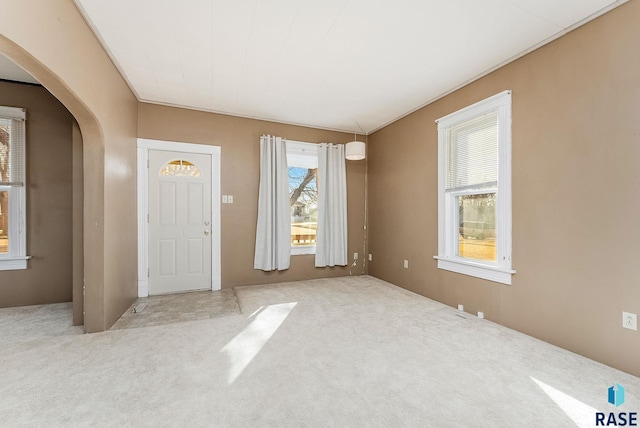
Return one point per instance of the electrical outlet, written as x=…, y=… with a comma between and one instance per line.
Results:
x=370, y=257
x=355, y=256
x=630, y=321
x=406, y=264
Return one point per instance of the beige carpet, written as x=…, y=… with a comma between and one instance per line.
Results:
x=175, y=308
x=347, y=352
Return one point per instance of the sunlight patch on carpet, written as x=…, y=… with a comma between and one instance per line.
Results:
x=580, y=413
x=243, y=348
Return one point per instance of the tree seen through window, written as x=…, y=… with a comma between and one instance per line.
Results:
x=303, y=200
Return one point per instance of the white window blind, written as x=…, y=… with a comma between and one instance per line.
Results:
x=472, y=153
x=13, y=227
x=474, y=190
x=303, y=155
x=12, y=151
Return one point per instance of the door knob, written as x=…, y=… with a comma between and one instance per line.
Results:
x=206, y=232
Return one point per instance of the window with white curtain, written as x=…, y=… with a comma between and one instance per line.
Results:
x=474, y=190
x=302, y=161
x=12, y=189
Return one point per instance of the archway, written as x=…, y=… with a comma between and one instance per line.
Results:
x=89, y=276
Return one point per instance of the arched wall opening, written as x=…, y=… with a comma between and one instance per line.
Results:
x=56, y=46
x=87, y=241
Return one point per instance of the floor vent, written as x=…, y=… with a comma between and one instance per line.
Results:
x=139, y=308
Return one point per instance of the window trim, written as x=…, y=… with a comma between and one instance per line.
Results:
x=301, y=150
x=501, y=270
x=16, y=258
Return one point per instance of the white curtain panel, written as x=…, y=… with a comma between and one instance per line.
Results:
x=331, y=238
x=273, y=234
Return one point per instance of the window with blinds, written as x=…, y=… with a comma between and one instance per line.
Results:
x=302, y=160
x=472, y=153
x=12, y=188
x=12, y=156
x=474, y=190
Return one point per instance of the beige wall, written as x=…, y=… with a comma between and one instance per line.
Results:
x=58, y=48
x=77, y=221
x=49, y=202
x=576, y=151
x=51, y=41
x=239, y=139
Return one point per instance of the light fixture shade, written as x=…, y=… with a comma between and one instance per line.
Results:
x=354, y=150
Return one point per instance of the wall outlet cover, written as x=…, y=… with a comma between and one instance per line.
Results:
x=630, y=321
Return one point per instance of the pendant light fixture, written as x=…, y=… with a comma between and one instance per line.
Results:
x=355, y=150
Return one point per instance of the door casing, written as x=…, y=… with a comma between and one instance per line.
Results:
x=144, y=145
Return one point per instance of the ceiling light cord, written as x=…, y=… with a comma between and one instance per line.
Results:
x=365, y=256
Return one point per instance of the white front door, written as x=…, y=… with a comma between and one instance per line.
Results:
x=179, y=222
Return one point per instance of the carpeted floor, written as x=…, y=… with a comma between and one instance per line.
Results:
x=32, y=322
x=175, y=308
x=345, y=352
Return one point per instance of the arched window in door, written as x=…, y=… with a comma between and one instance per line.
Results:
x=179, y=168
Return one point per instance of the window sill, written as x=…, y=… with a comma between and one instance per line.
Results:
x=478, y=270
x=299, y=251
x=13, y=263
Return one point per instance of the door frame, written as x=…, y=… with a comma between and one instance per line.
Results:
x=143, y=147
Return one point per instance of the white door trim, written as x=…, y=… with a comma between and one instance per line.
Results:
x=144, y=145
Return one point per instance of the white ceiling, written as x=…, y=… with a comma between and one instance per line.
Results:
x=10, y=71
x=334, y=64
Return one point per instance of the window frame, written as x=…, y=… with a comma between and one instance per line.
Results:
x=448, y=211
x=16, y=258
x=298, y=155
